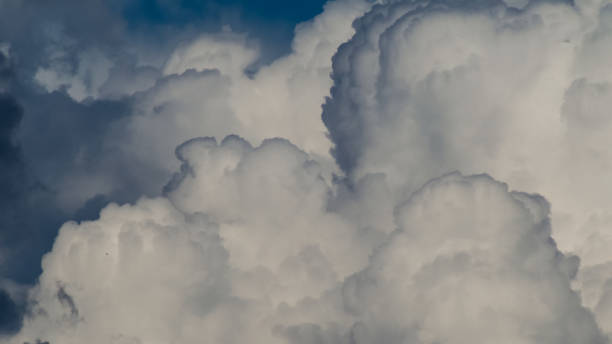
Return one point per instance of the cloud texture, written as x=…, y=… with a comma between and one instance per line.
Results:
x=265, y=266
x=518, y=94
x=260, y=235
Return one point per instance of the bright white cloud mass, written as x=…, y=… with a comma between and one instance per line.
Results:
x=427, y=172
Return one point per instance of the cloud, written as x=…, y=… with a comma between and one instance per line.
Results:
x=244, y=234
x=486, y=270
x=93, y=99
x=97, y=120
x=19, y=192
x=202, y=260
x=10, y=317
x=116, y=102
x=225, y=52
x=122, y=143
x=261, y=236
x=426, y=88
x=257, y=201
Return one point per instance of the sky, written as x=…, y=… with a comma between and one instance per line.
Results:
x=341, y=172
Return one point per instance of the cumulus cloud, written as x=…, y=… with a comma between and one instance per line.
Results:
x=146, y=102
x=101, y=107
x=261, y=235
x=225, y=52
x=243, y=248
x=240, y=255
x=278, y=101
x=261, y=219
x=427, y=88
x=485, y=270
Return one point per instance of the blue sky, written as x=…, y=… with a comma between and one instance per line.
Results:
x=184, y=11
x=272, y=22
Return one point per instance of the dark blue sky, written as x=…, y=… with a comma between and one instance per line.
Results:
x=178, y=12
x=271, y=22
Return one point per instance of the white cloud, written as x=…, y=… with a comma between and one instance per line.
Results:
x=244, y=232
x=257, y=240
x=135, y=264
x=203, y=90
x=244, y=249
x=469, y=262
x=424, y=89
x=227, y=52
x=262, y=219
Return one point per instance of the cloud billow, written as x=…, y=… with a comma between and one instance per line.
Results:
x=267, y=254
x=261, y=235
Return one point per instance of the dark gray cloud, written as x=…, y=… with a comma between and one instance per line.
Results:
x=10, y=314
x=28, y=219
x=11, y=170
x=26, y=206
x=67, y=301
